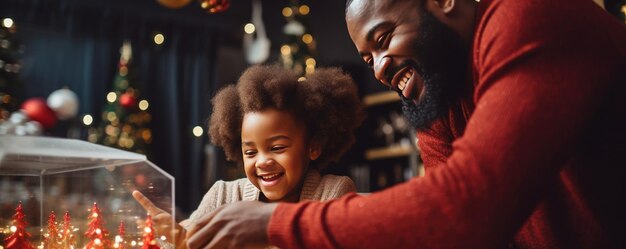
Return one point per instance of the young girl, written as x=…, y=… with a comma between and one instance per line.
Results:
x=283, y=131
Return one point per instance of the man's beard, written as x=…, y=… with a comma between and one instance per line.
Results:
x=442, y=60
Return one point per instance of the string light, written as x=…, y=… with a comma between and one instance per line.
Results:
x=249, y=28
x=198, y=131
x=307, y=38
x=87, y=119
x=159, y=39
x=7, y=22
x=111, y=97
x=143, y=105
x=285, y=50
x=304, y=10
x=287, y=11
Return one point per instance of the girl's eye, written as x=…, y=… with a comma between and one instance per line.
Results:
x=249, y=152
x=370, y=62
x=278, y=148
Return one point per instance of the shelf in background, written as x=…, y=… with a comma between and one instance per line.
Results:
x=389, y=152
x=380, y=98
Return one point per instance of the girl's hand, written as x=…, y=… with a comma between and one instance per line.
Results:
x=163, y=221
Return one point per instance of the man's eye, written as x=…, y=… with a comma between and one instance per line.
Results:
x=382, y=40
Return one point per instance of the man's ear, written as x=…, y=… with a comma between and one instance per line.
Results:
x=445, y=6
x=315, y=149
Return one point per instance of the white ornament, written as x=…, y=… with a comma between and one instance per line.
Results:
x=64, y=102
x=33, y=128
x=18, y=117
x=257, y=49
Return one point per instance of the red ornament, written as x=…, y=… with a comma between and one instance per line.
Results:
x=36, y=109
x=214, y=6
x=19, y=238
x=174, y=4
x=96, y=232
x=128, y=101
x=149, y=242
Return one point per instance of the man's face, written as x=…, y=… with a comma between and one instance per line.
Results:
x=411, y=52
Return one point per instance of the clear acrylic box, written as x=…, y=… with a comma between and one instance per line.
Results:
x=68, y=176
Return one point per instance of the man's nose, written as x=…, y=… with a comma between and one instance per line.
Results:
x=380, y=69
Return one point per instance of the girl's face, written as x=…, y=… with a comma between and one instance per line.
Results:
x=276, y=153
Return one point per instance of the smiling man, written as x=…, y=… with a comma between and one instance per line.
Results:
x=521, y=120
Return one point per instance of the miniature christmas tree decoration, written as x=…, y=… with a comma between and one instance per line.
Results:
x=20, y=238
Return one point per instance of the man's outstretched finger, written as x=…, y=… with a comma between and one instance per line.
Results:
x=146, y=203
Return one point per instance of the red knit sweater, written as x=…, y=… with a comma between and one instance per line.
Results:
x=534, y=159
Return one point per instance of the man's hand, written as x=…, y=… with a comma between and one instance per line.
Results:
x=162, y=221
x=237, y=225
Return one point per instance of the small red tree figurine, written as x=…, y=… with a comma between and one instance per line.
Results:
x=19, y=238
x=67, y=238
x=148, y=236
x=120, y=242
x=53, y=237
x=96, y=232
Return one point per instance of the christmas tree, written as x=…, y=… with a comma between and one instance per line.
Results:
x=125, y=120
x=120, y=242
x=149, y=242
x=67, y=238
x=298, y=51
x=53, y=237
x=10, y=50
x=96, y=232
x=20, y=238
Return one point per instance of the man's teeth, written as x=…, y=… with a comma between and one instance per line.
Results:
x=267, y=177
x=404, y=80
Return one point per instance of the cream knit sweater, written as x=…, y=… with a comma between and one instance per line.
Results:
x=315, y=187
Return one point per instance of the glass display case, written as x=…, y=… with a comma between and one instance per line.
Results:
x=75, y=194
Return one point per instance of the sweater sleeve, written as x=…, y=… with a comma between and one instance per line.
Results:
x=211, y=200
x=541, y=77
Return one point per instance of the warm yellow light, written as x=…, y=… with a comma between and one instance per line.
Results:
x=111, y=97
x=147, y=230
x=111, y=116
x=624, y=9
x=95, y=215
x=249, y=28
x=304, y=10
x=159, y=39
x=310, y=70
x=7, y=22
x=143, y=105
x=285, y=50
x=310, y=62
x=97, y=241
x=13, y=229
x=133, y=243
x=301, y=79
x=287, y=11
x=163, y=237
x=87, y=119
x=197, y=131
x=116, y=245
x=307, y=38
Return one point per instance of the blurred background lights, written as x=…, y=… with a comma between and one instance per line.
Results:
x=7, y=22
x=287, y=11
x=159, y=39
x=249, y=28
x=304, y=10
x=111, y=97
x=143, y=105
x=197, y=131
x=87, y=119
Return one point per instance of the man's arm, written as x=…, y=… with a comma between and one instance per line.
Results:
x=534, y=99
